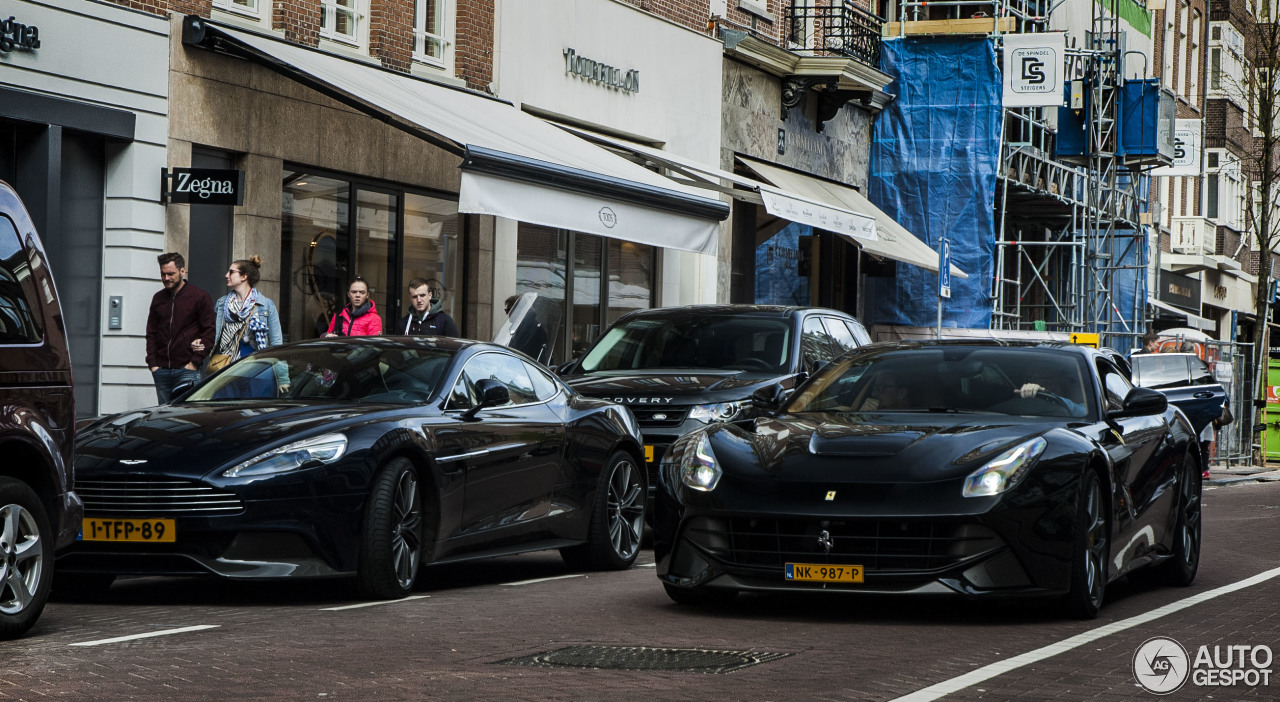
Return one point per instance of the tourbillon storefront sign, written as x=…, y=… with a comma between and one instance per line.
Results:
x=603, y=74
x=202, y=186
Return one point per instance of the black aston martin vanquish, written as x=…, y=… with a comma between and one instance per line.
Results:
x=380, y=454
x=965, y=469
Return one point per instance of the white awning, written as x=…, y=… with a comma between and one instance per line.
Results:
x=851, y=215
x=1193, y=320
x=514, y=165
x=892, y=239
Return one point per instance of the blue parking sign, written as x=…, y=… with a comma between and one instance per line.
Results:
x=944, y=270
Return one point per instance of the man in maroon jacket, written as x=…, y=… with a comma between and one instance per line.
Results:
x=179, y=328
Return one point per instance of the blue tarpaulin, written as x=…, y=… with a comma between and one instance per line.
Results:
x=934, y=158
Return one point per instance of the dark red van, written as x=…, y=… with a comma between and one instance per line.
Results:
x=38, y=510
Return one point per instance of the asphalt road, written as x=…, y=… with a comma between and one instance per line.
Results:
x=457, y=637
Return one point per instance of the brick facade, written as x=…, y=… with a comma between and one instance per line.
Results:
x=391, y=32
x=298, y=19
x=474, y=37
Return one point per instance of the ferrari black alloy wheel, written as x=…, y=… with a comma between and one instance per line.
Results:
x=391, y=542
x=26, y=558
x=1181, y=569
x=617, y=519
x=1089, y=554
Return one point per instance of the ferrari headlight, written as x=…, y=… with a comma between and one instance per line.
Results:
x=1005, y=470
x=719, y=411
x=697, y=468
x=322, y=449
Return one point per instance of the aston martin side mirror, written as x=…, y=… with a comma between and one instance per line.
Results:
x=492, y=394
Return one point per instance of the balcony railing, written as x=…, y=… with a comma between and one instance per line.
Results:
x=835, y=28
x=1193, y=235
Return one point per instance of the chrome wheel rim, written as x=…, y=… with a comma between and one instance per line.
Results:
x=406, y=542
x=1095, y=554
x=626, y=509
x=21, y=558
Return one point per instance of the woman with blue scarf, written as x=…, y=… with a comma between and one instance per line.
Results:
x=247, y=320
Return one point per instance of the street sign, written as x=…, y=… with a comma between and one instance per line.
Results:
x=1085, y=339
x=944, y=270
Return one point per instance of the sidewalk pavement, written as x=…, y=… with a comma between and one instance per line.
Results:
x=1220, y=474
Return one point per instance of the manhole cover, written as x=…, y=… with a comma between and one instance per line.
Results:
x=691, y=660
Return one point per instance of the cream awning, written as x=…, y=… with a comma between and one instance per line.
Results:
x=514, y=165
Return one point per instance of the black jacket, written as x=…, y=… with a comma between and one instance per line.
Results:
x=437, y=324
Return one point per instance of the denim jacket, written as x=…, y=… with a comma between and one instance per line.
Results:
x=263, y=310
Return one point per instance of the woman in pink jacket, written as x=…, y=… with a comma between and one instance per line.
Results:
x=360, y=317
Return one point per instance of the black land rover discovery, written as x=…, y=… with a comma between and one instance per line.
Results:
x=681, y=368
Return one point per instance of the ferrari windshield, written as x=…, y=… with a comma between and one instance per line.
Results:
x=331, y=371
x=1024, y=381
x=710, y=341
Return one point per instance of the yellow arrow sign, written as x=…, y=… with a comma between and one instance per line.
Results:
x=1085, y=339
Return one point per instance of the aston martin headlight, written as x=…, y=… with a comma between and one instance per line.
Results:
x=1005, y=470
x=319, y=449
x=719, y=411
x=697, y=468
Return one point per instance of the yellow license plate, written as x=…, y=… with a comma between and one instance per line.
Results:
x=144, y=530
x=648, y=453
x=817, y=572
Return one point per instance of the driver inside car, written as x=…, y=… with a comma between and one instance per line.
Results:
x=1052, y=384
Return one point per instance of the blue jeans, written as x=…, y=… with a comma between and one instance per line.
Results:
x=168, y=378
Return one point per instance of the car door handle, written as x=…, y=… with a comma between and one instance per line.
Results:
x=1203, y=395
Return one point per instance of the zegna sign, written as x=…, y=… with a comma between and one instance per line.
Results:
x=603, y=74
x=202, y=186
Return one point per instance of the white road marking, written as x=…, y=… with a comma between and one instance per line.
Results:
x=646, y=565
x=166, y=632
x=543, y=580
x=372, y=604
x=956, y=684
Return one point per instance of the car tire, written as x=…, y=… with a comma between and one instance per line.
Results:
x=391, y=538
x=1090, y=551
x=617, y=518
x=26, y=558
x=700, y=597
x=81, y=587
x=1179, y=570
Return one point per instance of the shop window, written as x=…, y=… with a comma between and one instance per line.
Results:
x=333, y=229
x=342, y=20
x=783, y=267
x=562, y=266
x=430, y=37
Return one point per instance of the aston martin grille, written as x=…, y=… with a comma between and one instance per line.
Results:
x=122, y=496
x=877, y=544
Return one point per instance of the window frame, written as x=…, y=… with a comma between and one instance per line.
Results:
x=421, y=36
x=329, y=10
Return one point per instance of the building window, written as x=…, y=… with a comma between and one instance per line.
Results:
x=1185, y=17
x=1215, y=68
x=240, y=7
x=1211, y=196
x=334, y=228
x=1168, y=49
x=1193, y=75
x=342, y=20
x=430, y=38
x=563, y=266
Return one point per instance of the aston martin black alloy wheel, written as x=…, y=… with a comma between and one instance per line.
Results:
x=1090, y=551
x=617, y=519
x=391, y=541
x=26, y=558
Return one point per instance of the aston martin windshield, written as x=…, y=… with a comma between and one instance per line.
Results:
x=719, y=342
x=1022, y=381
x=331, y=371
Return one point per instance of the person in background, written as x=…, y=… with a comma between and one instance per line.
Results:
x=426, y=314
x=359, y=317
x=247, y=320
x=1151, y=342
x=179, y=327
